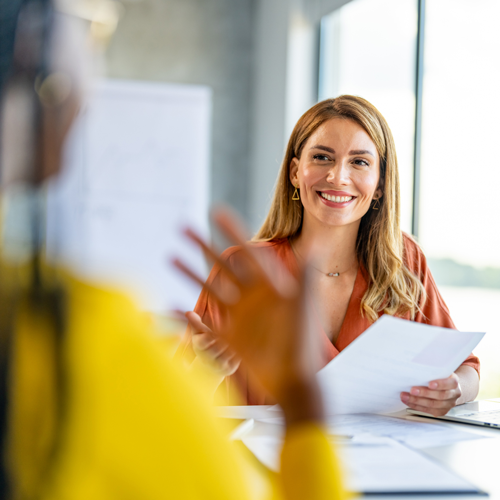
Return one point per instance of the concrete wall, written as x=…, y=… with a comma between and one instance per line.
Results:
x=258, y=56
x=205, y=42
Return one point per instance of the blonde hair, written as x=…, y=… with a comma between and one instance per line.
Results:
x=393, y=288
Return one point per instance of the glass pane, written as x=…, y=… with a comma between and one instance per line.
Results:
x=366, y=52
x=459, y=229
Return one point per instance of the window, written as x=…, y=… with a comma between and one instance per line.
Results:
x=460, y=168
x=365, y=52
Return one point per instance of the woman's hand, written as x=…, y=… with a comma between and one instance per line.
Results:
x=210, y=350
x=437, y=398
x=265, y=322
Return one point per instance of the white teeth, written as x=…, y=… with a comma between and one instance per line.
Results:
x=336, y=199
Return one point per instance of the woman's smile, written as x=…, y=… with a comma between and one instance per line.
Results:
x=336, y=199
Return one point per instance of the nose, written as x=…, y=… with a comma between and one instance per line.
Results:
x=338, y=174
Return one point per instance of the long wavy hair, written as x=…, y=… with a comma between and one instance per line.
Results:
x=393, y=288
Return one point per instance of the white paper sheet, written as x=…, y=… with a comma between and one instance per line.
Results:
x=390, y=357
x=137, y=172
x=414, y=434
x=375, y=465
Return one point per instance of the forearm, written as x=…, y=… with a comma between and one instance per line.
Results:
x=469, y=383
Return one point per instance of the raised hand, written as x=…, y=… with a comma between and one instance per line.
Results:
x=265, y=322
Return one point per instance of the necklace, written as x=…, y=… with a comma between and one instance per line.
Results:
x=330, y=274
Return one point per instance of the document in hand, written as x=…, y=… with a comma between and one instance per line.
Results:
x=392, y=356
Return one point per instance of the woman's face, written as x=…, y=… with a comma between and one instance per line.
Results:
x=338, y=173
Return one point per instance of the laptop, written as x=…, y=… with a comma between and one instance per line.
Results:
x=485, y=413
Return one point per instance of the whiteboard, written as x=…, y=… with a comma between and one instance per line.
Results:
x=136, y=172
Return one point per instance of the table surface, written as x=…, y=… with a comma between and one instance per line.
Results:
x=478, y=461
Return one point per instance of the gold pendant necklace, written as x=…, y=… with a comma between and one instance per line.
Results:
x=329, y=275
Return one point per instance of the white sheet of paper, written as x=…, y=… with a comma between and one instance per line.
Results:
x=390, y=357
x=137, y=172
x=375, y=465
x=415, y=434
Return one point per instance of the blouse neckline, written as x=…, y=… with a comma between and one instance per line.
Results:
x=353, y=308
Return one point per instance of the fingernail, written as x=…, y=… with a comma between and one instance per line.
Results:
x=405, y=397
x=415, y=391
x=433, y=385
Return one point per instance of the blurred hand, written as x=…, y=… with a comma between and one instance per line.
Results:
x=437, y=398
x=212, y=351
x=265, y=322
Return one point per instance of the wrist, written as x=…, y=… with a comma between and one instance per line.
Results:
x=302, y=402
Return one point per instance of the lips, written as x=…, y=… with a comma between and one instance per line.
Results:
x=336, y=199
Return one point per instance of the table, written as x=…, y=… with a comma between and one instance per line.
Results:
x=478, y=461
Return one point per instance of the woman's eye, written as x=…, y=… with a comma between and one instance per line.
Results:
x=361, y=162
x=321, y=157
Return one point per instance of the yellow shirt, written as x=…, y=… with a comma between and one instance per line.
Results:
x=132, y=424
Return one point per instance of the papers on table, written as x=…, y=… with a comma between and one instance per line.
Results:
x=376, y=465
x=414, y=434
x=390, y=357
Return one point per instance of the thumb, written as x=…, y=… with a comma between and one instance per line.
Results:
x=197, y=326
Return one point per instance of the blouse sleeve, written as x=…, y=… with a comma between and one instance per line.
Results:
x=434, y=310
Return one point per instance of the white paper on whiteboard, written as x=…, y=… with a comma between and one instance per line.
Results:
x=137, y=172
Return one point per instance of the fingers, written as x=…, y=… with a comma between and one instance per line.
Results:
x=207, y=346
x=227, y=295
x=196, y=324
x=250, y=268
x=411, y=401
x=445, y=383
x=228, y=365
x=231, y=225
x=210, y=253
x=216, y=354
x=211, y=350
x=424, y=392
x=435, y=402
x=436, y=412
x=204, y=341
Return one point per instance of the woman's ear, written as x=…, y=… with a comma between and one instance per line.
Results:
x=378, y=194
x=294, y=172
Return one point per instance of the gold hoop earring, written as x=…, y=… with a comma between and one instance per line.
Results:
x=376, y=205
x=295, y=196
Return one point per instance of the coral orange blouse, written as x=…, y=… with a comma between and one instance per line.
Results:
x=434, y=312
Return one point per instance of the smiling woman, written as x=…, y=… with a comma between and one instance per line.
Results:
x=337, y=201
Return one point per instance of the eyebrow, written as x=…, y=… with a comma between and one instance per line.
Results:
x=353, y=152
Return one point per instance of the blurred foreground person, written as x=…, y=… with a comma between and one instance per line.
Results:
x=90, y=406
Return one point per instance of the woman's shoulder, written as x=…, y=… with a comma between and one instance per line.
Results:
x=277, y=245
x=413, y=253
